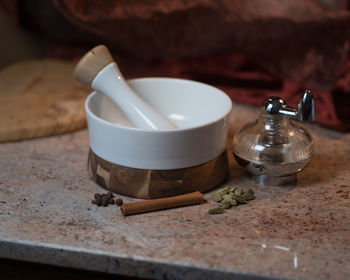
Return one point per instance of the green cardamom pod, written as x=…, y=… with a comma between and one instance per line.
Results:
x=216, y=197
x=233, y=202
x=227, y=196
x=250, y=191
x=225, y=204
x=233, y=189
x=247, y=196
x=239, y=199
x=223, y=191
x=238, y=192
x=217, y=210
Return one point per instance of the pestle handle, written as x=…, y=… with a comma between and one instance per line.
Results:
x=111, y=83
x=98, y=70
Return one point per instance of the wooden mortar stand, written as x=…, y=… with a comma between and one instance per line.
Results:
x=143, y=183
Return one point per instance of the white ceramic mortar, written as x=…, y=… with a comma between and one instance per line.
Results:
x=200, y=111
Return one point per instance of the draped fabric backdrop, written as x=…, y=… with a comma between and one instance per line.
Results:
x=250, y=49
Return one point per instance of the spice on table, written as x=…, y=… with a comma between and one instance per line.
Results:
x=110, y=195
x=98, y=199
x=162, y=203
x=223, y=191
x=225, y=204
x=103, y=199
x=119, y=202
x=228, y=197
x=217, y=210
x=216, y=197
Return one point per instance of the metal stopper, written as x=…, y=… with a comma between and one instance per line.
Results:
x=305, y=112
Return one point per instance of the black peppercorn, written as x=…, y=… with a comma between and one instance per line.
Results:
x=99, y=201
x=119, y=202
x=110, y=195
x=105, y=200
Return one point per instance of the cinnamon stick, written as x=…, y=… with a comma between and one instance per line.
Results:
x=161, y=203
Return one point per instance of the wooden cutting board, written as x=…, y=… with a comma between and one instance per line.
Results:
x=40, y=98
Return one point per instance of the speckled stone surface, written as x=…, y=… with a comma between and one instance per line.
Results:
x=298, y=232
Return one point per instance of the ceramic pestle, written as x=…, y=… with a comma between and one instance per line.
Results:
x=98, y=70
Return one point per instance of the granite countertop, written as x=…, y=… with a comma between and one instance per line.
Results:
x=288, y=232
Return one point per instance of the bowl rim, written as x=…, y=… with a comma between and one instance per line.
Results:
x=162, y=131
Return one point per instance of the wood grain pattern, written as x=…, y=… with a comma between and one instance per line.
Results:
x=92, y=63
x=40, y=98
x=156, y=183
